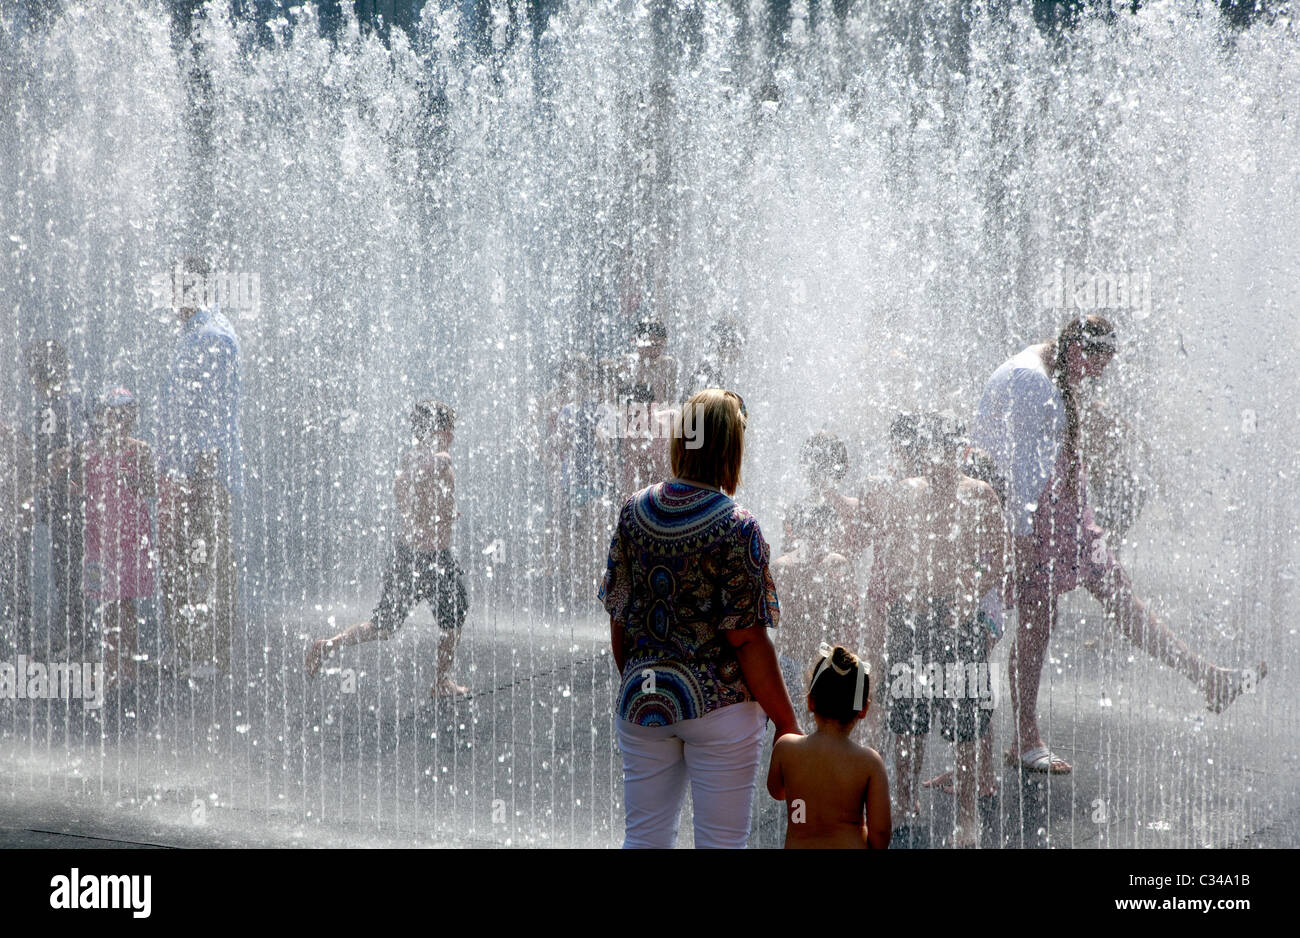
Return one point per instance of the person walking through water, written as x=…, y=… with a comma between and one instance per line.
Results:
x=1028, y=420
x=940, y=545
x=201, y=461
x=422, y=566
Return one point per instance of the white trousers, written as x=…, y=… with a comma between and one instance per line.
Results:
x=717, y=752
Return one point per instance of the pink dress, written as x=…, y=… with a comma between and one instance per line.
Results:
x=118, y=564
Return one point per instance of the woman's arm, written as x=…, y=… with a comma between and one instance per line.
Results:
x=616, y=643
x=763, y=676
x=775, y=778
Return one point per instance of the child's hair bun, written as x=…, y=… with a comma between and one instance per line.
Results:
x=834, y=686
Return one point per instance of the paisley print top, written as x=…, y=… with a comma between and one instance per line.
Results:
x=685, y=565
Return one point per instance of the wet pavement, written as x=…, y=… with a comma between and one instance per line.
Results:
x=360, y=755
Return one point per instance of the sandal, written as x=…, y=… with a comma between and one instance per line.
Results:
x=1040, y=759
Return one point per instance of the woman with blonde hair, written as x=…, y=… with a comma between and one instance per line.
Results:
x=690, y=600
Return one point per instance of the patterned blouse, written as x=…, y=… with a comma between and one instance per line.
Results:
x=685, y=565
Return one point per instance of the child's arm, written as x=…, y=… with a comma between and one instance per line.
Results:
x=995, y=541
x=61, y=467
x=404, y=493
x=775, y=777
x=880, y=826
x=145, y=482
x=445, y=480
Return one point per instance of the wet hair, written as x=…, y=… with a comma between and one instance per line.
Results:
x=47, y=360
x=428, y=417
x=576, y=366
x=978, y=464
x=903, y=429
x=904, y=433
x=194, y=264
x=119, y=399
x=940, y=433
x=824, y=456
x=726, y=333
x=1093, y=332
x=833, y=689
x=719, y=423
x=651, y=329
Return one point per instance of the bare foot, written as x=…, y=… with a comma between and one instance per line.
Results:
x=1227, y=684
x=316, y=653
x=988, y=786
x=942, y=782
x=967, y=836
x=446, y=687
x=907, y=817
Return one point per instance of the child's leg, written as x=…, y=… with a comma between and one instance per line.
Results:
x=907, y=638
x=965, y=783
x=120, y=640
x=444, y=685
x=450, y=601
x=560, y=544
x=111, y=630
x=356, y=634
x=397, y=596
x=909, y=754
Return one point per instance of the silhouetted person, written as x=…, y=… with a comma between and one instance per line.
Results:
x=58, y=423
x=202, y=466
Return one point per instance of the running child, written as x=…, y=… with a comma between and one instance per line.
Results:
x=836, y=792
x=422, y=566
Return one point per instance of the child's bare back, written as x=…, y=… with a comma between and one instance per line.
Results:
x=836, y=792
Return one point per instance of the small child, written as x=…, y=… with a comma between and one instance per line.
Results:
x=826, y=780
x=815, y=574
x=117, y=476
x=422, y=566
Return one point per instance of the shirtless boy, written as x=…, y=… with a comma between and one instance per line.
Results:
x=422, y=566
x=942, y=545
